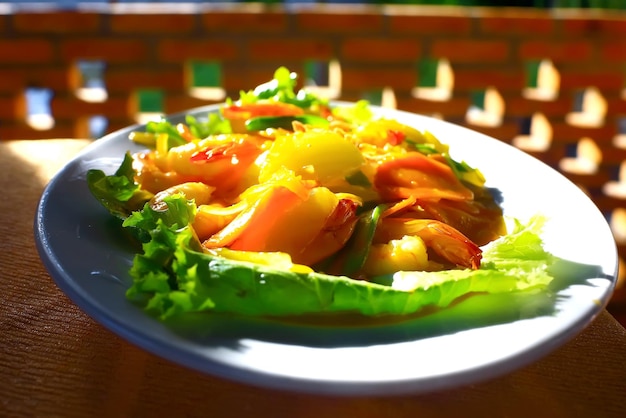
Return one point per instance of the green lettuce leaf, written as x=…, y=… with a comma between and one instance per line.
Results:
x=118, y=193
x=167, y=131
x=215, y=124
x=282, y=88
x=174, y=276
x=163, y=126
x=179, y=213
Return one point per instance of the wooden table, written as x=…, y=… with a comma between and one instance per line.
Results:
x=55, y=361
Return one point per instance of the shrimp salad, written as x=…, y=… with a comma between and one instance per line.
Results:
x=283, y=204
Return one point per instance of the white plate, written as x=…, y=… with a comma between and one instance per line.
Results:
x=480, y=338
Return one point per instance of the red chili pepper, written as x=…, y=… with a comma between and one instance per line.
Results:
x=219, y=152
x=415, y=174
x=250, y=110
x=325, y=112
x=395, y=137
x=344, y=212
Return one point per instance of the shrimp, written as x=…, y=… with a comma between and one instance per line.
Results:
x=336, y=231
x=199, y=192
x=421, y=176
x=226, y=162
x=151, y=177
x=210, y=157
x=443, y=239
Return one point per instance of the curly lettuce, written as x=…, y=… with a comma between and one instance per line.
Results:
x=119, y=193
x=174, y=276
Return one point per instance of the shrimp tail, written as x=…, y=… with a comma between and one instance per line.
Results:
x=452, y=245
x=443, y=239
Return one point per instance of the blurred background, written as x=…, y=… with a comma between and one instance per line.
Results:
x=547, y=76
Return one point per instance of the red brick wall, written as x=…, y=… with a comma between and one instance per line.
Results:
x=376, y=46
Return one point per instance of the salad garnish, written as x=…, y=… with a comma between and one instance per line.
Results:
x=284, y=204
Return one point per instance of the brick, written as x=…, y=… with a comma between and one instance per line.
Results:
x=237, y=77
x=616, y=106
x=566, y=51
x=352, y=23
x=504, y=132
x=289, y=49
x=184, y=49
x=602, y=78
x=380, y=50
x=82, y=128
x=430, y=25
x=20, y=105
x=608, y=204
x=108, y=49
x=526, y=26
x=594, y=27
x=453, y=108
x=500, y=78
x=588, y=181
x=611, y=156
x=115, y=124
x=69, y=107
x=551, y=156
x=225, y=22
x=564, y=132
x=182, y=103
x=363, y=79
x=26, y=51
x=162, y=24
x=19, y=130
x=57, y=22
x=122, y=80
x=350, y=96
x=471, y=50
x=553, y=110
x=16, y=79
x=8, y=107
x=613, y=51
